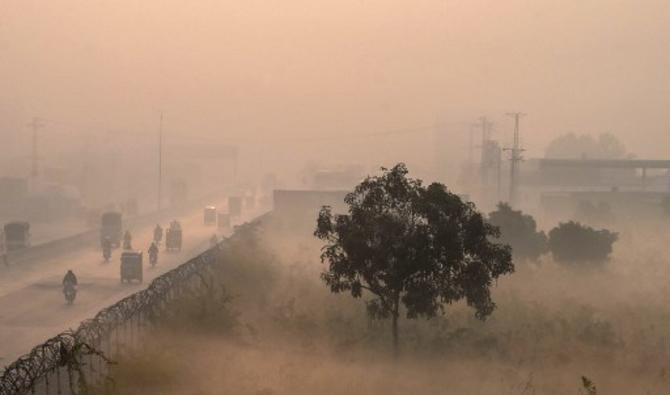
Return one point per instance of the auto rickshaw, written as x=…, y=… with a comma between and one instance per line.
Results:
x=131, y=266
x=173, y=237
x=17, y=235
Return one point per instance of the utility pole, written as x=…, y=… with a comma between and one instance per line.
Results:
x=515, y=158
x=485, y=125
x=160, y=161
x=35, y=124
x=471, y=152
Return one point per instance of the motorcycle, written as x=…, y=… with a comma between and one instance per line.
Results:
x=153, y=258
x=70, y=292
x=158, y=236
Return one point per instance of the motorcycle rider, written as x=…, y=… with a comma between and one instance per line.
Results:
x=3, y=249
x=70, y=278
x=158, y=234
x=127, y=241
x=153, y=252
x=106, y=248
x=69, y=286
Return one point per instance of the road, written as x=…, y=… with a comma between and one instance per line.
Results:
x=32, y=307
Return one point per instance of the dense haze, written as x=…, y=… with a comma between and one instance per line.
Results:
x=256, y=96
x=291, y=81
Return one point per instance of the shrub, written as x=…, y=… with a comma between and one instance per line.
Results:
x=574, y=242
x=519, y=230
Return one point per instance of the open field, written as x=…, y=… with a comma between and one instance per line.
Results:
x=284, y=333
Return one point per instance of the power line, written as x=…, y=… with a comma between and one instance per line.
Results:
x=485, y=126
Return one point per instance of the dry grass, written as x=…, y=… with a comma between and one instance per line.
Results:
x=553, y=326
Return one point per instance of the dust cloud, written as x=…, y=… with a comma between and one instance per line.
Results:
x=139, y=106
x=553, y=324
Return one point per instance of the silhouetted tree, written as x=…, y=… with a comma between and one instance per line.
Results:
x=572, y=146
x=519, y=230
x=410, y=245
x=574, y=242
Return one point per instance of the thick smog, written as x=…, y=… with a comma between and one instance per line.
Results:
x=327, y=197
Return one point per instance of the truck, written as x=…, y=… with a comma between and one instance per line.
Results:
x=17, y=235
x=209, y=215
x=111, y=226
x=131, y=266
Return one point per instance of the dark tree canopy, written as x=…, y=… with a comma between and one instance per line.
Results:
x=519, y=230
x=410, y=245
x=574, y=242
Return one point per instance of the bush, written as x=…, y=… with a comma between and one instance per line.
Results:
x=574, y=242
x=519, y=231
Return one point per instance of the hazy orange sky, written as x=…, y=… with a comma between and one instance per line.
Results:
x=266, y=71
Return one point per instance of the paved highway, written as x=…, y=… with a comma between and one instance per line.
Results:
x=32, y=307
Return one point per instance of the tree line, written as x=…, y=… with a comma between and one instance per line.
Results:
x=414, y=249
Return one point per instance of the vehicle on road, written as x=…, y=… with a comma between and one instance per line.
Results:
x=131, y=266
x=3, y=250
x=153, y=254
x=70, y=292
x=209, y=215
x=70, y=286
x=106, y=249
x=173, y=237
x=127, y=241
x=17, y=235
x=111, y=227
x=158, y=234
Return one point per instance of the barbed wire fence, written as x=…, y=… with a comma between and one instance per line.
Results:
x=74, y=361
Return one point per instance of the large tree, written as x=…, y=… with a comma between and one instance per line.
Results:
x=519, y=230
x=410, y=245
